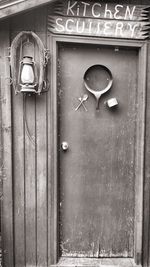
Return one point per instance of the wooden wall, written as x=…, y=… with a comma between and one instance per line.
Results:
x=25, y=158
x=29, y=120
x=28, y=184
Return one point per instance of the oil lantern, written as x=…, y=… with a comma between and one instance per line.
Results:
x=28, y=61
x=27, y=75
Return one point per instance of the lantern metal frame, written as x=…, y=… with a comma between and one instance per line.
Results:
x=16, y=57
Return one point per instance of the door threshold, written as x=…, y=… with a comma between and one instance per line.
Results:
x=92, y=262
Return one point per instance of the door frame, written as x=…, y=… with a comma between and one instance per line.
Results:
x=54, y=40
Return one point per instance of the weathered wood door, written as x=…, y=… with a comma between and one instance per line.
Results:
x=100, y=173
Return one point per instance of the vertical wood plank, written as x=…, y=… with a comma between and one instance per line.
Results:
x=52, y=156
x=147, y=175
x=19, y=177
x=19, y=191
x=1, y=178
x=7, y=204
x=140, y=145
x=28, y=23
x=146, y=211
x=50, y=129
x=41, y=182
x=30, y=180
x=41, y=140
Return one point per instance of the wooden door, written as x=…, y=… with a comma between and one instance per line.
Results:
x=100, y=173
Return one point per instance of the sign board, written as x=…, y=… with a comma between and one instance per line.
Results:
x=95, y=18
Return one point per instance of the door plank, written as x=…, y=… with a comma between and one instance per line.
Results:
x=146, y=211
x=140, y=146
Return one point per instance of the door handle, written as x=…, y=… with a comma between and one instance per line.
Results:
x=64, y=146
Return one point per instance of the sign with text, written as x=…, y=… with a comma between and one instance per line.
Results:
x=93, y=18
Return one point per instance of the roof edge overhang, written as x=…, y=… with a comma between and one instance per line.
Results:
x=17, y=6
